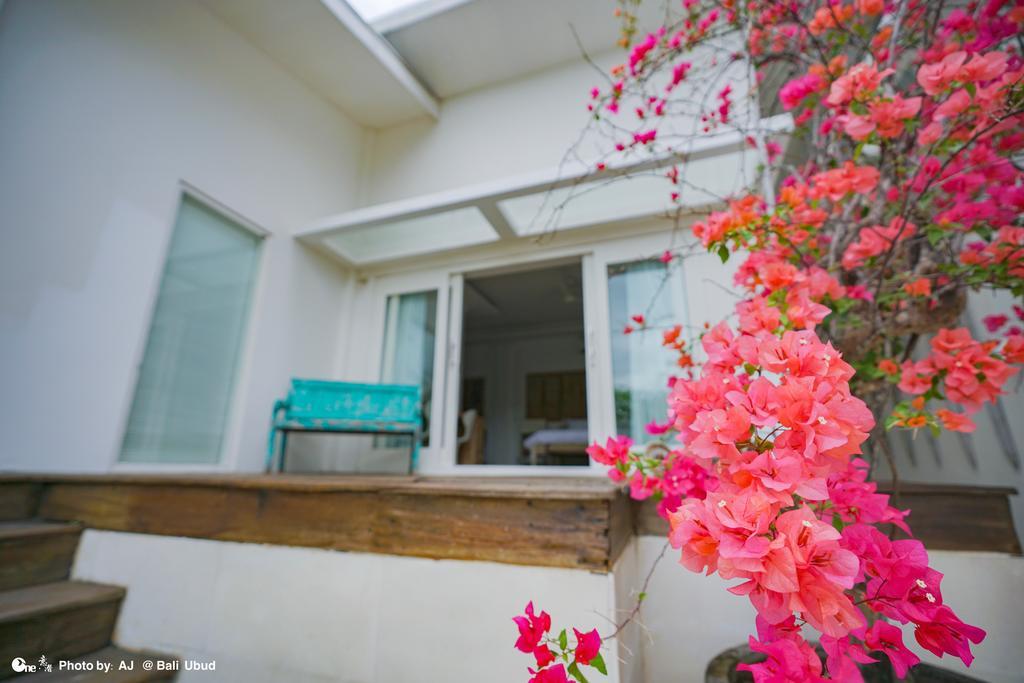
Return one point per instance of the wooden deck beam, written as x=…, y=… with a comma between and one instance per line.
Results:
x=580, y=523
x=555, y=522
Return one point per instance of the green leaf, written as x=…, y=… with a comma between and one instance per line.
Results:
x=723, y=252
x=935, y=235
x=563, y=640
x=575, y=672
x=838, y=523
x=598, y=663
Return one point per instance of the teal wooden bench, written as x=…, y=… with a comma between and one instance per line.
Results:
x=343, y=407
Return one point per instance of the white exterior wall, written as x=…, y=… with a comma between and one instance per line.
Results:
x=105, y=106
x=689, y=618
x=269, y=613
x=272, y=613
x=504, y=130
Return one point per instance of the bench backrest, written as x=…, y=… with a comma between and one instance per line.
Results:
x=312, y=399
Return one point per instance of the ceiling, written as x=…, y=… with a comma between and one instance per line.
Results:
x=326, y=45
x=466, y=45
x=525, y=298
x=398, y=68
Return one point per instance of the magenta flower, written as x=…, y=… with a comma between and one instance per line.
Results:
x=587, y=646
x=532, y=628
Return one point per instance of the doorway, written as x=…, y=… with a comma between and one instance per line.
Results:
x=522, y=393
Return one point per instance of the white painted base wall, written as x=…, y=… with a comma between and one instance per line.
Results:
x=272, y=613
x=689, y=618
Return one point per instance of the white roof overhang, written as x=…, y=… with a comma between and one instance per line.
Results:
x=569, y=198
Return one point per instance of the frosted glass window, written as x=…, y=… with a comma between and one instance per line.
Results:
x=640, y=365
x=182, y=397
x=409, y=332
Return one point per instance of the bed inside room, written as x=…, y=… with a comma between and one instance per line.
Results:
x=523, y=388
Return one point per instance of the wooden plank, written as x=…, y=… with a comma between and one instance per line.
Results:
x=622, y=525
x=113, y=656
x=35, y=552
x=19, y=496
x=60, y=620
x=558, y=488
x=943, y=517
x=436, y=520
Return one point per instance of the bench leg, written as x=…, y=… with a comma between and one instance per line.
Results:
x=268, y=466
x=415, y=455
x=284, y=450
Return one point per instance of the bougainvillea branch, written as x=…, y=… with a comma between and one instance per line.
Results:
x=897, y=194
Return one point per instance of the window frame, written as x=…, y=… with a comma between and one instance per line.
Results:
x=227, y=460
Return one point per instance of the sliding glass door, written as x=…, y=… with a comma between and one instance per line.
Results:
x=410, y=331
x=640, y=365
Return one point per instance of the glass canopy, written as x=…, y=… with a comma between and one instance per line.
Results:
x=412, y=236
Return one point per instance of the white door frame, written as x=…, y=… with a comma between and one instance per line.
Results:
x=440, y=457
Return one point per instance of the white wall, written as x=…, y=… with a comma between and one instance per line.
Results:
x=272, y=613
x=504, y=361
x=510, y=128
x=515, y=127
x=105, y=106
x=689, y=618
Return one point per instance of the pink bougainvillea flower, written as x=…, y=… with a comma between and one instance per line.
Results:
x=886, y=638
x=983, y=67
x=532, y=628
x=858, y=83
x=614, y=451
x=994, y=322
x=837, y=183
x=930, y=133
x=955, y=422
x=552, y=674
x=795, y=91
x=945, y=633
x=587, y=646
x=875, y=240
x=922, y=286
x=936, y=77
x=543, y=655
x=860, y=292
x=954, y=105
x=916, y=377
x=787, y=660
x=1013, y=349
x=654, y=428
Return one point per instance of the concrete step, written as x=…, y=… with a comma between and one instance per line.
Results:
x=33, y=552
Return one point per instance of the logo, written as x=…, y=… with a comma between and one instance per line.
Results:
x=21, y=666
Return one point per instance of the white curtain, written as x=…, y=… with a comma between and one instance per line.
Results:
x=409, y=344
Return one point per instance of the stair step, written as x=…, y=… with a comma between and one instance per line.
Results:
x=34, y=552
x=109, y=655
x=18, y=499
x=60, y=620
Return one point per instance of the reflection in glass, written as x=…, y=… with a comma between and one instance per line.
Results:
x=180, y=408
x=409, y=331
x=640, y=366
